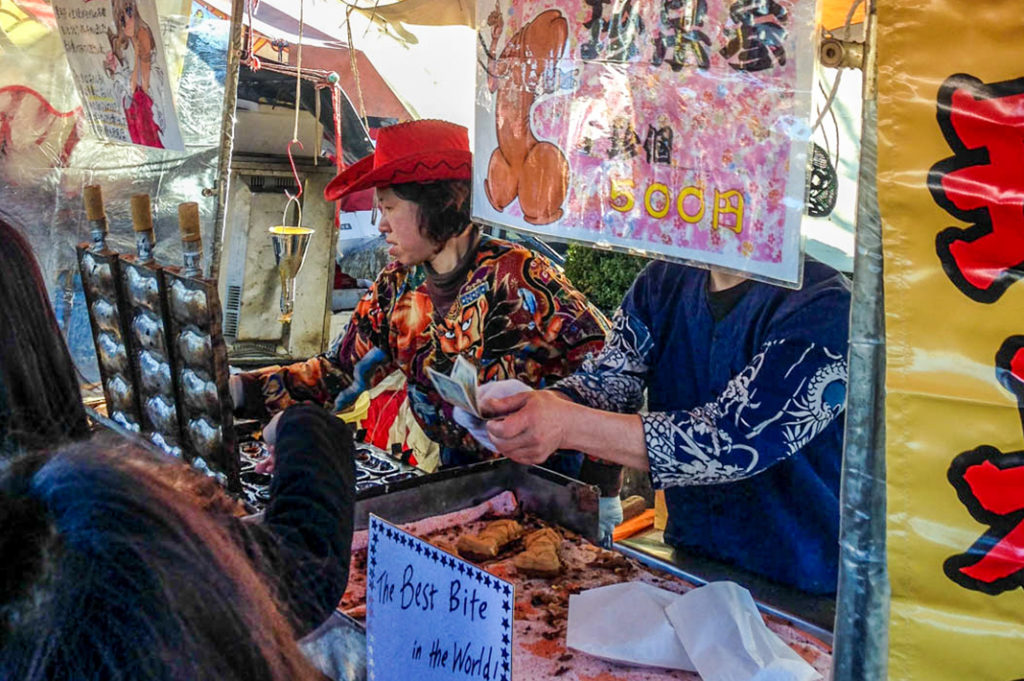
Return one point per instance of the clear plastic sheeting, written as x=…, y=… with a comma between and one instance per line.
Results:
x=49, y=153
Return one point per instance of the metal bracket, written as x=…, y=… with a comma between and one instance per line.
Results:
x=847, y=54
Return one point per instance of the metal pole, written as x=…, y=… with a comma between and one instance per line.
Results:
x=227, y=134
x=862, y=610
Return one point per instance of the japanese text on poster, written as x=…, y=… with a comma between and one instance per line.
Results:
x=985, y=191
x=431, y=615
x=951, y=194
x=677, y=127
x=117, y=59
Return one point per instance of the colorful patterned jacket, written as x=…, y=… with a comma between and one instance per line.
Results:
x=516, y=316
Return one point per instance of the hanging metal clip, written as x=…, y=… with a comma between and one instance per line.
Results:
x=847, y=54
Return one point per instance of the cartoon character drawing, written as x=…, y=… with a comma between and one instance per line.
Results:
x=462, y=332
x=143, y=124
x=490, y=317
x=522, y=166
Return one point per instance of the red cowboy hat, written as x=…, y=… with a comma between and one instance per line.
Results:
x=418, y=151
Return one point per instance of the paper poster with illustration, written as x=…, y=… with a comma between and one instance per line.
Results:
x=679, y=127
x=118, y=63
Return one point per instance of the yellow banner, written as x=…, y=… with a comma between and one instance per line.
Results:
x=951, y=191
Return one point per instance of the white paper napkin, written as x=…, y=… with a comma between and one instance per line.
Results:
x=715, y=630
x=725, y=636
x=626, y=623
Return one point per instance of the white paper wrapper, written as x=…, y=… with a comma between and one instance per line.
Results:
x=715, y=630
x=626, y=623
x=725, y=636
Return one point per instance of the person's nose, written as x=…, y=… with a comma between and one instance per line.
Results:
x=382, y=224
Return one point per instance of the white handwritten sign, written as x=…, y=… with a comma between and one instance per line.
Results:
x=431, y=615
x=117, y=58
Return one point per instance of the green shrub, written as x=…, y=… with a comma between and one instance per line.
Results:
x=603, y=276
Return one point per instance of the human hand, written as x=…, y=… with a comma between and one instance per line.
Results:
x=488, y=392
x=266, y=466
x=531, y=426
x=609, y=516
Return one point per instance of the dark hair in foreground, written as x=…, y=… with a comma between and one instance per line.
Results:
x=40, y=403
x=444, y=207
x=109, y=573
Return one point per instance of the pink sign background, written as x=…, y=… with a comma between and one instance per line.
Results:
x=679, y=128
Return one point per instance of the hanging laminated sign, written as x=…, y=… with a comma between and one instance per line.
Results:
x=431, y=615
x=118, y=63
x=679, y=128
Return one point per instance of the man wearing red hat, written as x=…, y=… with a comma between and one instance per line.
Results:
x=450, y=291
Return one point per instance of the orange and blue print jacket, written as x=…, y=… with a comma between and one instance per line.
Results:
x=515, y=316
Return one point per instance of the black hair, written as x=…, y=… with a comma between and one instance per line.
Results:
x=40, y=402
x=444, y=207
x=109, y=573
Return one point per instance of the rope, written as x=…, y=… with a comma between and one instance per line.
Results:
x=312, y=75
x=316, y=120
x=248, y=35
x=295, y=131
x=339, y=147
x=298, y=72
x=355, y=68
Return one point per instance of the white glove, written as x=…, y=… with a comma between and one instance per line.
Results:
x=270, y=434
x=495, y=390
x=609, y=511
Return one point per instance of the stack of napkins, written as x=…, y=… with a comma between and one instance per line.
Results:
x=714, y=630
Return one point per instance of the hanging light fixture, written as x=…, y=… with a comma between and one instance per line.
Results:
x=291, y=243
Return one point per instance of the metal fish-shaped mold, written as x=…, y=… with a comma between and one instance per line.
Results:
x=205, y=438
x=199, y=394
x=121, y=394
x=105, y=315
x=194, y=348
x=143, y=288
x=149, y=331
x=161, y=414
x=159, y=441
x=125, y=421
x=98, y=275
x=112, y=354
x=187, y=304
x=156, y=374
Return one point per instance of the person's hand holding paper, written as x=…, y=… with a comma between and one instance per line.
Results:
x=458, y=389
x=476, y=423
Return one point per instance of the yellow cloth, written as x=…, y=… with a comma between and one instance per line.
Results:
x=357, y=412
x=405, y=430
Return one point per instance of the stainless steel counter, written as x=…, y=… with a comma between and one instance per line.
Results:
x=338, y=648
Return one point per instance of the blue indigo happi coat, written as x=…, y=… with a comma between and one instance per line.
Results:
x=744, y=428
